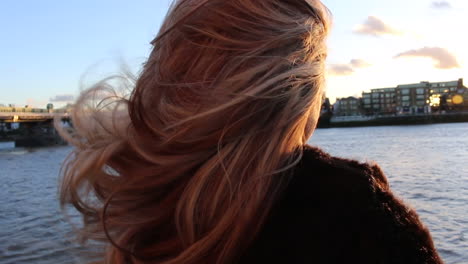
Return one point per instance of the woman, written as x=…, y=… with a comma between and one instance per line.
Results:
x=206, y=161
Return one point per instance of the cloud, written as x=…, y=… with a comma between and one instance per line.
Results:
x=348, y=68
x=340, y=69
x=63, y=98
x=443, y=58
x=357, y=63
x=441, y=5
x=375, y=27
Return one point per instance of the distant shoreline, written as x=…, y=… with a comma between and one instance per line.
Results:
x=397, y=120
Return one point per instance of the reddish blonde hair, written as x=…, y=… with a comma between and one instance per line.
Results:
x=186, y=168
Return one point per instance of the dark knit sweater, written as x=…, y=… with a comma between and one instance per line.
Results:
x=340, y=211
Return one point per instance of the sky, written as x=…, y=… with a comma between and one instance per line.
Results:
x=50, y=49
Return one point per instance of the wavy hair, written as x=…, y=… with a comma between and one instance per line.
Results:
x=186, y=167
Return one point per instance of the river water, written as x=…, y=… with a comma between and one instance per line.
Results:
x=426, y=165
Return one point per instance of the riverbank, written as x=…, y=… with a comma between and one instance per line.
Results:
x=397, y=120
x=32, y=141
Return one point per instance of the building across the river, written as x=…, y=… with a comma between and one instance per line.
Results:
x=418, y=98
x=349, y=106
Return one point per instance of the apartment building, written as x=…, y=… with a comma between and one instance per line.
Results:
x=349, y=106
x=423, y=97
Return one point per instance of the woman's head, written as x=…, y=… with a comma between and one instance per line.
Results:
x=186, y=169
x=234, y=67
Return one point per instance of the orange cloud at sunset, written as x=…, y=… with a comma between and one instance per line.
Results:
x=347, y=68
x=357, y=63
x=442, y=57
x=375, y=27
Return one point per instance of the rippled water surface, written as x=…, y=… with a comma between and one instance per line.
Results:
x=426, y=165
x=32, y=229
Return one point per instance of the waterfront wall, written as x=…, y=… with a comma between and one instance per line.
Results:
x=32, y=134
x=395, y=120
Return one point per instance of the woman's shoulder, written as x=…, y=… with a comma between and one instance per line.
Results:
x=336, y=210
x=353, y=189
x=337, y=175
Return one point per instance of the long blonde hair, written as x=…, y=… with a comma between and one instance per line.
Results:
x=186, y=168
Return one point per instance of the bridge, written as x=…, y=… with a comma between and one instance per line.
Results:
x=30, y=127
x=24, y=114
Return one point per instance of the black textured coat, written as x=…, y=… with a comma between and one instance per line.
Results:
x=340, y=211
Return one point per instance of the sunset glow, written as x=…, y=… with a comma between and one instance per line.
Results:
x=400, y=41
x=53, y=46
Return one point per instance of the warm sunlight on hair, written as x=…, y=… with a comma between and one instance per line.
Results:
x=229, y=94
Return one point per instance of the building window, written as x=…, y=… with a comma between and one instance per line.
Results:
x=405, y=91
x=420, y=91
x=420, y=96
x=405, y=98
